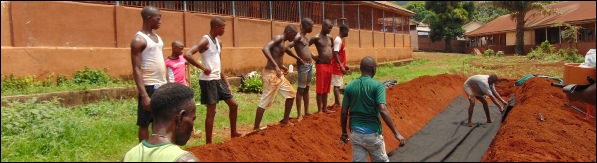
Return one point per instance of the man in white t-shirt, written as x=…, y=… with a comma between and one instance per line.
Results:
x=478, y=86
x=339, y=62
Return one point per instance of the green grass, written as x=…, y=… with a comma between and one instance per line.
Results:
x=107, y=130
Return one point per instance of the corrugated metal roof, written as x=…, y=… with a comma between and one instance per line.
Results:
x=570, y=11
x=392, y=5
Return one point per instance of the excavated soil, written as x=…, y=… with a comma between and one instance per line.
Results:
x=564, y=136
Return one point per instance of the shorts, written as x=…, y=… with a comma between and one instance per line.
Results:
x=144, y=117
x=337, y=80
x=471, y=95
x=305, y=73
x=213, y=91
x=273, y=84
x=323, y=75
x=368, y=143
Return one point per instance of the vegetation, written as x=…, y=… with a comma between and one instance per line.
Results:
x=419, y=8
x=82, y=80
x=485, y=12
x=518, y=11
x=447, y=20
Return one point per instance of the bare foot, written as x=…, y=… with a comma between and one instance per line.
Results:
x=300, y=118
x=307, y=114
x=470, y=124
x=489, y=121
x=237, y=134
x=328, y=111
x=197, y=135
x=287, y=124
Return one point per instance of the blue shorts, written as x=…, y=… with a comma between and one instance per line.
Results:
x=305, y=73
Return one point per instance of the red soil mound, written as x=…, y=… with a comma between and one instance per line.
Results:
x=565, y=135
x=412, y=105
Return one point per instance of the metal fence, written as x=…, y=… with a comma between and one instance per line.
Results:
x=355, y=15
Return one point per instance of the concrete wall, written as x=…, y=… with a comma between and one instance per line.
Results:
x=425, y=44
x=68, y=36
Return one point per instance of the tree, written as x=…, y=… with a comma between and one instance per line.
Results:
x=486, y=12
x=446, y=20
x=518, y=11
x=419, y=8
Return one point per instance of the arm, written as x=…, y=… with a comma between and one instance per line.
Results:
x=188, y=158
x=137, y=46
x=201, y=46
x=188, y=74
x=268, y=54
x=289, y=52
x=496, y=94
x=385, y=115
x=336, y=46
x=313, y=40
x=343, y=119
x=167, y=75
x=587, y=95
x=222, y=76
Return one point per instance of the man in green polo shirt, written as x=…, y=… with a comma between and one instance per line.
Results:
x=365, y=98
x=173, y=111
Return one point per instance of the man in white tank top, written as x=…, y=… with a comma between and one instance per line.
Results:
x=149, y=69
x=213, y=82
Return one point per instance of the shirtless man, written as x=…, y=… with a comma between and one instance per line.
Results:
x=305, y=65
x=273, y=80
x=323, y=74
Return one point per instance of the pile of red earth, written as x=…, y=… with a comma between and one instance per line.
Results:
x=564, y=136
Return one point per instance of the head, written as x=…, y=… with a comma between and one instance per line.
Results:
x=368, y=66
x=290, y=32
x=307, y=25
x=173, y=105
x=218, y=25
x=151, y=16
x=327, y=26
x=344, y=30
x=492, y=79
x=177, y=47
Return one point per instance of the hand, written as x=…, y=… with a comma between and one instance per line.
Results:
x=347, y=68
x=343, y=70
x=145, y=101
x=301, y=62
x=278, y=72
x=400, y=139
x=344, y=138
x=284, y=69
x=206, y=71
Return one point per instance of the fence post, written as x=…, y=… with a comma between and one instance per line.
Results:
x=270, y=11
x=233, y=10
x=184, y=4
x=402, y=23
x=394, y=23
x=359, y=16
x=343, y=12
x=322, y=11
x=383, y=17
x=372, y=21
x=299, y=11
x=117, y=3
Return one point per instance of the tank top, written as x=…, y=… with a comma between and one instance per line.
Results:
x=211, y=59
x=153, y=68
x=145, y=152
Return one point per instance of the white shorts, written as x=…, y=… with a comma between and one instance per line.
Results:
x=337, y=80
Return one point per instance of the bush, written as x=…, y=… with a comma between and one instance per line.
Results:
x=88, y=76
x=542, y=51
x=571, y=55
x=489, y=52
x=19, y=83
x=499, y=54
x=252, y=84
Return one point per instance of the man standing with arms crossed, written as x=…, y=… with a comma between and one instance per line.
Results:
x=273, y=80
x=339, y=63
x=305, y=68
x=323, y=66
x=149, y=69
x=365, y=99
x=213, y=82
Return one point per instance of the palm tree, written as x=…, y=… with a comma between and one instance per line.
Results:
x=518, y=11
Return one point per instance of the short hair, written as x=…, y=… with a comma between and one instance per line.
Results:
x=149, y=11
x=327, y=21
x=177, y=42
x=493, y=77
x=305, y=22
x=216, y=21
x=343, y=27
x=290, y=27
x=168, y=100
x=367, y=64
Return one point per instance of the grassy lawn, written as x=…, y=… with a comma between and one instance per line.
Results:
x=107, y=130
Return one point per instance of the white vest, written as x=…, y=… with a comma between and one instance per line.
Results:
x=211, y=59
x=153, y=68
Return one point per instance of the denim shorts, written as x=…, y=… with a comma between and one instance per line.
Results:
x=305, y=73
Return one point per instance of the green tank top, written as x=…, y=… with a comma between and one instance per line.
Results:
x=145, y=152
